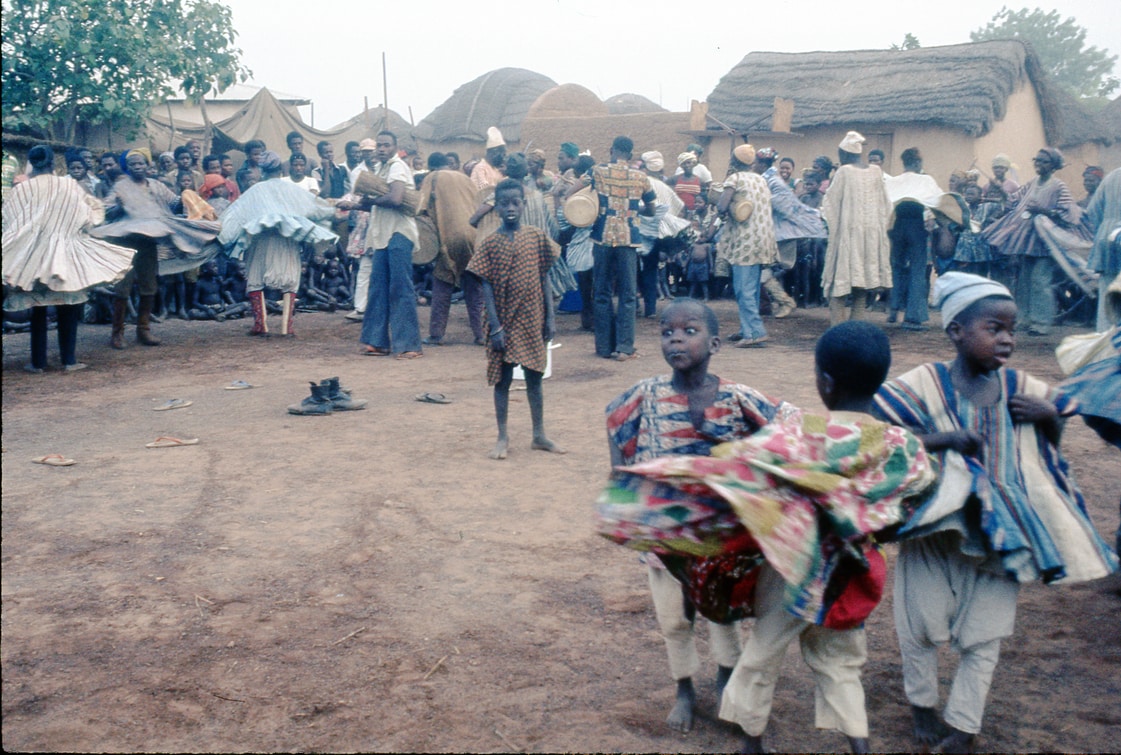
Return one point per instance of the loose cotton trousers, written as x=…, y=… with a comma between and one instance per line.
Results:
x=677, y=629
x=941, y=596
x=836, y=658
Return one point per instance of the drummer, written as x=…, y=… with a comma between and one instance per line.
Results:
x=390, y=324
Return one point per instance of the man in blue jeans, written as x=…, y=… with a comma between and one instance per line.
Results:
x=615, y=234
x=912, y=192
x=390, y=325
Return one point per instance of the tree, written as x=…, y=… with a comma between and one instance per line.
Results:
x=910, y=42
x=110, y=60
x=1061, y=47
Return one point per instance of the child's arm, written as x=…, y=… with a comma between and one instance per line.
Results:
x=497, y=335
x=480, y=213
x=1040, y=411
x=965, y=442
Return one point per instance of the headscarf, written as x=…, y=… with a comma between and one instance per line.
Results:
x=142, y=151
x=745, y=153
x=210, y=182
x=570, y=149
x=1094, y=170
x=269, y=162
x=767, y=153
x=1055, y=155
x=1002, y=161
x=685, y=157
x=654, y=161
x=954, y=292
x=853, y=143
x=537, y=154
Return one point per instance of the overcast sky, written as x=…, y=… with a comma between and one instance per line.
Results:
x=608, y=46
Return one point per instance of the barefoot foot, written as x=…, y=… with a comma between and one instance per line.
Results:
x=499, y=451
x=957, y=742
x=928, y=729
x=544, y=444
x=680, y=718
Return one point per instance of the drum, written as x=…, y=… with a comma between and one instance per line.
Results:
x=428, y=241
x=373, y=185
x=581, y=209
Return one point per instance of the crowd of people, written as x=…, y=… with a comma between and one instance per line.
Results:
x=746, y=505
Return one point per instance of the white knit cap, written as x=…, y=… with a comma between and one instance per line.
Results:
x=953, y=292
x=654, y=161
x=853, y=142
x=494, y=138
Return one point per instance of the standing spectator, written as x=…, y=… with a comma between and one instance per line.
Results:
x=390, y=323
x=1001, y=180
x=686, y=183
x=254, y=150
x=488, y=172
x=1027, y=260
x=295, y=142
x=615, y=233
x=912, y=191
x=334, y=180
x=856, y=210
x=747, y=245
x=1104, y=216
x=1091, y=180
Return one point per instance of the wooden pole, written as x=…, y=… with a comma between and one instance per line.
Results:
x=384, y=94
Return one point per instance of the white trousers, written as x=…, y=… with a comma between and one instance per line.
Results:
x=836, y=658
x=941, y=596
x=362, y=282
x=677, y=630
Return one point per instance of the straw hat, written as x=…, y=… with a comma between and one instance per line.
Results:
x=494, y=138
x=745, y=153
x=742, y=210
x=581, y=209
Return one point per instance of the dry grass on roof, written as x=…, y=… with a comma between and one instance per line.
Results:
x=960, y=86
x=499, y=98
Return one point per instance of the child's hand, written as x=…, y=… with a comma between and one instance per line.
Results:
x=549, y=331
x=1026, y=408
x=965, y=442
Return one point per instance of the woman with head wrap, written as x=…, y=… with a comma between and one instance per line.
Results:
x=50, y=260
x=1023, y=259
x=266, y=227
x=1001, y=184
x=858, y=254
x=142, y=213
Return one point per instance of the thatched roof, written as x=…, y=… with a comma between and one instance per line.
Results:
x=567, y=100
x=960, y=86
x=499, y=98
x=1109, y=119
x=630, y=104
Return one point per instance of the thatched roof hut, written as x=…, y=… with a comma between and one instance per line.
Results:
x=631, y=104
x=567, y=100
x=964, y=87
x=499, y=98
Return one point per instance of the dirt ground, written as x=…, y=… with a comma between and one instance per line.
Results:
x=371, y=581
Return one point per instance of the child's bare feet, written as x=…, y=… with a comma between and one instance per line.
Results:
x=680, y=718
x=544, y=444
x=928, y=729
x=752, y=744
x=499, y=451
x=957, y=742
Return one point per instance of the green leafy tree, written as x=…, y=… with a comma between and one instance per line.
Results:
x=1061, y=47
x=910, y=42
x=110, y=60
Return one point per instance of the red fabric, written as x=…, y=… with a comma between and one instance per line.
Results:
x=861, y=595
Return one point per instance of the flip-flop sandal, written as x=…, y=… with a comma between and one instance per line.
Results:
x=166, y=442
x=374, y=351
x=432, y=398
x=175, y=403
x=239, y=385
x=54, y=460
x=410, y=355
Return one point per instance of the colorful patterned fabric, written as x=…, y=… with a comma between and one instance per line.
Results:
x=809, y=489
x=651, y=419
x=688, y=189
x=1014, y=503
x=620, y=189
x=1014, y=235
x=515, y=266
x=751, y=242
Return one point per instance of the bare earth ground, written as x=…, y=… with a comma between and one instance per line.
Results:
x=371, y=581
